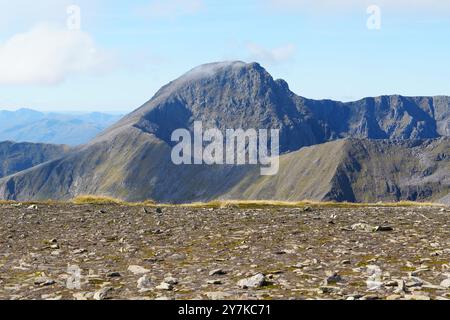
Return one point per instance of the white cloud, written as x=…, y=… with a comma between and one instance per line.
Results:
x=172, y=8
x=271, y=56
x=47, y=55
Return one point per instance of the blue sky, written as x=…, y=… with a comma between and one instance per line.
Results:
x=126, y=50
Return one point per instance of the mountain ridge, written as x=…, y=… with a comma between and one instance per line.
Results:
x=131, y=159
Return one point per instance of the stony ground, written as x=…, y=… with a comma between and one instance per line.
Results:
x=65, y=251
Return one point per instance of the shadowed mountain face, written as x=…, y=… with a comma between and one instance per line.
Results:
x=131, y=160
x=15, y=157
x=239, y=95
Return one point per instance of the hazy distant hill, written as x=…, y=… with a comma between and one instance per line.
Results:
x=27, y=125
x=375, y=149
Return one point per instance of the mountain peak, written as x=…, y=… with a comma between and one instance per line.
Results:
x=217, y=69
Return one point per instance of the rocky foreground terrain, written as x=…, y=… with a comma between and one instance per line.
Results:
x=68, y=251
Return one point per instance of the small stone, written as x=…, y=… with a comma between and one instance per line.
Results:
x=214, y=282
x=257, y=281
x=54, y=246
x=144, y=283
x=51, y=297
x=346, y=262
x=159, y=211
x=176, y=257
x=138, y=270
x=394, y=297
x=79, y=251
x=370, y=297
x=400, y=286
x=33, y=207
x=103, y=293
x=374, y=285
x=414, y=282
x=113, y=275
x=217, y=272
x=218, y=295
x=165, y=286
x=374, y=280
x=390, y=283
x=418, y=272
x=333, y=278
x=351, y=298
x=416, y=297
x=445, y=284
x=363, y=227
x=171, y=280
x=43, y=281
x=80, y=296
x=384, y=228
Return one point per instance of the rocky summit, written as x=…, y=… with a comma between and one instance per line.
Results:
x=100, y=252
x=387, y=148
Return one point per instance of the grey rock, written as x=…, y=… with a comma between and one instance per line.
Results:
x=137, y=270
x=113, y=274
x=445, y=283
x=165, y=286
x=103, y=294
x=144, y=283
x=218, y=295
x=333, y=278
x=363, y=227
x=44, y=281
x=217, y=272
x=171, y=280
x=384, y=228
x=416, y=297
x=257, y=281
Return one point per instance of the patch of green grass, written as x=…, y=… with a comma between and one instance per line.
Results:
x=96, y=200
x=240, y=204
x=104, y=200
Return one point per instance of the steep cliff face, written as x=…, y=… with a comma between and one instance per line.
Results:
x=131, y=160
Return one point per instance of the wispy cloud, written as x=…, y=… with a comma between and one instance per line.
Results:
x=171, y=8
x=326, y=6
x=47, y=55
x=271, y=55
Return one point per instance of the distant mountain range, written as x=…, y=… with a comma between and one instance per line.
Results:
x=26, y=125
x=387, y=148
